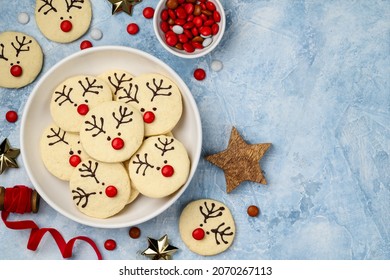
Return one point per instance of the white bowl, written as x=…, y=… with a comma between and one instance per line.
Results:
x=37, y=116
x=181, y=53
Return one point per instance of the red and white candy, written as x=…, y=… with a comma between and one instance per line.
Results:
x=189, y=24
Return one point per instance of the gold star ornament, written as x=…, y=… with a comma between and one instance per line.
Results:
x=240, y=161
x=123, y=5
x=159, y=249
x=7, y=156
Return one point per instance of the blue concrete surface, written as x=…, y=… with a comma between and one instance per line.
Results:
x=311, y=77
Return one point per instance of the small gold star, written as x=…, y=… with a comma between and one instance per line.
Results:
x=7, y=156
x=159, y=249
x=240, y=161
x=123, y=5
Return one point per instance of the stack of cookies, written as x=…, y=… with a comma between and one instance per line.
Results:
x=111, y=139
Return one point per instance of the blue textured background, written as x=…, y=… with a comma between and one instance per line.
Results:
x=312, y=77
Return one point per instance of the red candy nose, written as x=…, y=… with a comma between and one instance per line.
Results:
x=74, y=160
x=167, y=171
x=66, y=26
x=117, y=143
x=16, y=70
x=83, y=109
x=149, y=117
x=111, y=191
x=198, y=234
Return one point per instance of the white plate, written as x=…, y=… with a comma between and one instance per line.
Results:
x=36, y=117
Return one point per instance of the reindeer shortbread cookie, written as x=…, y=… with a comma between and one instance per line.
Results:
x=157, y=98
x=73, y=99
x=61, y=151
x=112, y=132
x=63, y=21
x=160, y=166
x=207, y=227
x=116, y=79
x=98, y=189
x=21, y=59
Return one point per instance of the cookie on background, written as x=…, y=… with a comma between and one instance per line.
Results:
x=21, y=59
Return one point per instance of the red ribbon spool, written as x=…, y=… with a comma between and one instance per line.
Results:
x=21, y=199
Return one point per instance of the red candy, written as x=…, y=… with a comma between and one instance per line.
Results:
x=16, y=71
x=148, y=12
x=111, y=191
x=66, y=26
x=11, y=116
x=196, y=18
x=149, y=117
x=110, y=244
x=199, y=74
x=132, y=28
x=83, y=109
x=167, y=171
x=74, y=160
x=85, y=44
x=198, y=234
x=117, y=143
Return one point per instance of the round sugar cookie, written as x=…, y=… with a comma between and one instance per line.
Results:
x=160, y=166
x=99, y=189
x=157, y=98
x=61, y=151
x=63, y=21
x=116, y=79
x=207, y=227
x=21, y=59
x=73, y=99
x=112, y=132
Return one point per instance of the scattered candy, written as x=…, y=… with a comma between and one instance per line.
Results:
x=23, y=18
x=132, y=28
x=253, y=211
x=134, y=232
x=11, y=116
x=85, y=45
x=195, y=21
x=110, y=244
x=96, y=34
x=199, y=74
x=216, y=65
x=148, y=12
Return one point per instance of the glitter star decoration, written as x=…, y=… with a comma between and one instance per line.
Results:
x=7, y=156
x=159, y=249
x=240, y=161
x=123, y=5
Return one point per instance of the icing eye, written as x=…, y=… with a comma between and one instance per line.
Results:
x=154, y=109
x=79, y=152
x=86, y=101
x=71, y=152
x=119, y=134
x=70, y=17
x=11, y=64
x=142, y=110
x=108, y=138
x=61, y=18
x=18, y=62
x=165, y=161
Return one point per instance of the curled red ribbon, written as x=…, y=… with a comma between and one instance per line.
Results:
x=17, y=200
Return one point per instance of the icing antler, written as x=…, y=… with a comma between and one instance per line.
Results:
x=129, y=91
x=141, y=163
x=157, y=88
x=21, y=44
x=57, y=136
x=49, y=5
x=64, y=96
x=73, y=4
x=90, y=86
x=94, y=125
x=117, y=83
x=164, y=148
x=2, y=53
x=80, y=195
x=122, y=116
x=87, y=171
x=211, y=212
x=221, y=233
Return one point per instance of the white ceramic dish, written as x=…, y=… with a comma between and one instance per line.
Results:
x=37, y=116
x=181, y=53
